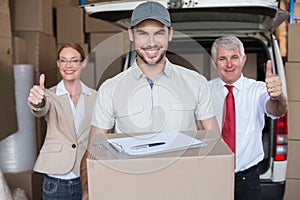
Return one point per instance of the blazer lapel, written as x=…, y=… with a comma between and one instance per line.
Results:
x=89, y=106
x=67, y=111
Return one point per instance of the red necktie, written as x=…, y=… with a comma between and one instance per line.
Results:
x=228, y=130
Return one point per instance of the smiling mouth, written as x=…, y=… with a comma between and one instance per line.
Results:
x=229, y=70
x=151, y=53
x=152, y=48
x=69, y=71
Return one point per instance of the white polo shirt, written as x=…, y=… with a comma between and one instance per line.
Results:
x=178, y=98
x=250, y=105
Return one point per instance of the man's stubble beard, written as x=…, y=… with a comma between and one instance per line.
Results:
x=142, y=57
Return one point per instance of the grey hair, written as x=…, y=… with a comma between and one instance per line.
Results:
x=228, y=42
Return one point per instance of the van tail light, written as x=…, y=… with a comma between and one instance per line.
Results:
x=281, y=138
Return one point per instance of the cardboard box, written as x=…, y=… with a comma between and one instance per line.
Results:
x=293, y=159
x=113, y=69
x=108, y=50
x=40, y=50
x=33, y=15
x=297, y=10
x=93, y=25
x=118, y=41
x=292, y=71
x=292, y=191
x=293, y=53
x=97, y=1
x=88, y=75
x=190, y=174
x=29, y=181
x=59, y=3
x=84, y=46
x=69, y=24
x=293, y=120
x=281, y=33
x=52, y=77
x=19, y=50
x=8, y=118
x=5, y=20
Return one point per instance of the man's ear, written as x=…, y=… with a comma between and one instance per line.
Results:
x=130, y=33
x=244, y=60
x=213, y=62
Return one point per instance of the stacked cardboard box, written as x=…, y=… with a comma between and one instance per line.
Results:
x=8, y=119
x=69, y=24
x=107, y=52
x=108, y=44
x=292, y=74
x=105, y=57
x=70, y=28
x=33, y=15
x=281, y=33
x=33, y=43
x=97, y=1
x=297, y=10
x=40, y=51
x=32, y=23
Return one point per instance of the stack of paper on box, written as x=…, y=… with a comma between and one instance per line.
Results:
x=161, y=142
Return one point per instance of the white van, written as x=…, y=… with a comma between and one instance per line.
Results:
x=197, y=24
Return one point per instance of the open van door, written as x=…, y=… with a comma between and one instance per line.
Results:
x=212, y=14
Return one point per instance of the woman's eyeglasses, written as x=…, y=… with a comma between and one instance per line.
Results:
x=72, y=61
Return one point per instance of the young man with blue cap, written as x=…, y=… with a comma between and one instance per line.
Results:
x=154, y=94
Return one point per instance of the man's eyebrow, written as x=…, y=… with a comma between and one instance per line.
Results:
x=140, y=30
x=161, y=30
